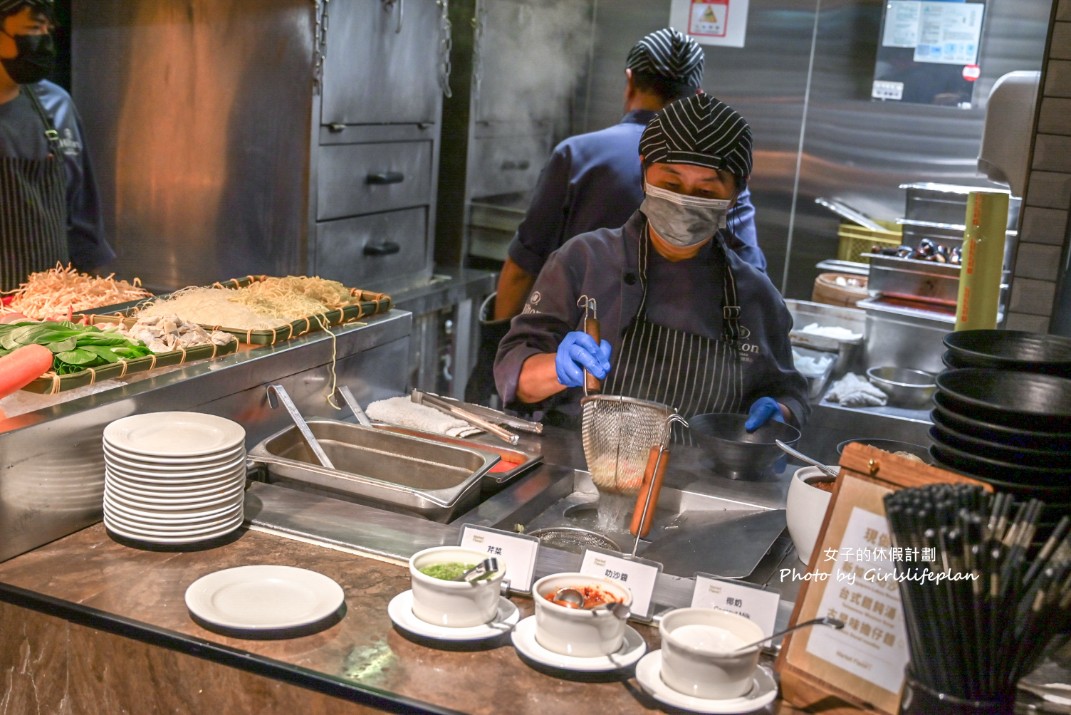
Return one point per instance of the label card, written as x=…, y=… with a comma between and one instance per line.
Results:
x=517, y=550
x=744, y=599
x=638, y=574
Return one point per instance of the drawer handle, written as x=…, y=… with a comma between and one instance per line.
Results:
x=386, y=177
x=510, y=165
x=336, y=128
x=385, y=248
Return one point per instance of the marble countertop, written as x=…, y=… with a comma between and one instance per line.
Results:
x=91, y=578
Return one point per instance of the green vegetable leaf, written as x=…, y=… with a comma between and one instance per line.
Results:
x=78, y=356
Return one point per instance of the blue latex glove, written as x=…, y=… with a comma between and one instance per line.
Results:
x=761, y=411
x=578, y=352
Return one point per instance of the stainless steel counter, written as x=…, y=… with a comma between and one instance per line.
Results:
x=547, y=494
x=51, y=459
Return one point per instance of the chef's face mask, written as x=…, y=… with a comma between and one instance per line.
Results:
x=682, y=220
x=35, y=59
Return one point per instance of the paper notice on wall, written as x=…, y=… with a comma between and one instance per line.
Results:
x=939, y=32
x=711, y=22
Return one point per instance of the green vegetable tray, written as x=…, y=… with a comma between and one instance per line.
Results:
x=50, y=383
x=365, y=304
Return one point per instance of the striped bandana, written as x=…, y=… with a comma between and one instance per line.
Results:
x=699, y=130
x=669, y=54
x=46, y=6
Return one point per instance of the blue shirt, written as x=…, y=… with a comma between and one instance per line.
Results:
x=595, y=180
x=22, y=136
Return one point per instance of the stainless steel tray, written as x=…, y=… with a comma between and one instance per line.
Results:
x=849, y=350
x=911, y=279
x=394, y=471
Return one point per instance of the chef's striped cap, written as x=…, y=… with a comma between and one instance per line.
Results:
x=10, y=6
x=700, y=130
x=670, y=54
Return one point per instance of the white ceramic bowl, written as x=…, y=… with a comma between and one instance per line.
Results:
x=697, y=657
x=805, y=509
x=578, y=632
x=453, y=604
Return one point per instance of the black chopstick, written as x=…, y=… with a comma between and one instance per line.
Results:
x=985, y=623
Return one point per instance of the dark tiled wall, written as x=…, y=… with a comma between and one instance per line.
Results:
x=1044, y=237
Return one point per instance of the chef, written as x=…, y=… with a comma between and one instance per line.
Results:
x=686, y=321
x=49, y=208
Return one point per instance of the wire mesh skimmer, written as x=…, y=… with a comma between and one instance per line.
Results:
x=618, y=433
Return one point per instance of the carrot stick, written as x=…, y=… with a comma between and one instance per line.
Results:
x=22, y=366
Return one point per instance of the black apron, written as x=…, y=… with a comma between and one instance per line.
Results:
x=691, y=372
x=33, y=209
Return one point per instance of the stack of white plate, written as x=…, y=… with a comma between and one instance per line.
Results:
x=173, y=477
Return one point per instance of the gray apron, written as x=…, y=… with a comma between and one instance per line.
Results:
x=33, y=209
x=691, y=372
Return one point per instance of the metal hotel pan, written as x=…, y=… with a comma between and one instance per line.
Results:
x=398, y=472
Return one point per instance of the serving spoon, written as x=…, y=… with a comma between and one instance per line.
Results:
x=480, y=570
x=576, y=599
x=804, y=458
x=823, y=621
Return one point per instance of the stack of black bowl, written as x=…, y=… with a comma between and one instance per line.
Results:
x=1002, y=414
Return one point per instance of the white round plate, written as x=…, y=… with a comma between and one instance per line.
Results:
x=649, y=674
x=524, y=640
x=170, y=518
x=120, y=530
x=111, y=519
x=178, y=491
x=174, y=504
x=167, y=462
x=174, y=434
x=400, y=610
x=263, y=597
x=196, y=471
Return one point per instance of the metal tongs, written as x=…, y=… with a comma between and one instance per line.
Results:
x=590, y=324
x=423, y=398
x=491, y=415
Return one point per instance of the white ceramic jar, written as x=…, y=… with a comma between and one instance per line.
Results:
x=453, y=604
x=578, y=632
x=805, y=508
x=698, y=657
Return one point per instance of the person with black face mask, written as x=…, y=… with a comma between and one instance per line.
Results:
x=49, y=207
x=685, y=320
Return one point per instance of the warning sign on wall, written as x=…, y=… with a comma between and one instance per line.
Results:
x=711, y=22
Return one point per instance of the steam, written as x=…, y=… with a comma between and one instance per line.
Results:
x=544, y=47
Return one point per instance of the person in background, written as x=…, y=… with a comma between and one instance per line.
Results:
x=593, y=181
x=687, y=321
x=49, y=207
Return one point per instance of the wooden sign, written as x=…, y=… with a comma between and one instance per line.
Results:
x=851, y=576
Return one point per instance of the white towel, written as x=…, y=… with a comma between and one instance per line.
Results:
x=855, y=391
x=406, y=413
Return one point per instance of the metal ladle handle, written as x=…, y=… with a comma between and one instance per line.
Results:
x=279, y=392
x=824, y=621
x=805, y=459
x=354, y=405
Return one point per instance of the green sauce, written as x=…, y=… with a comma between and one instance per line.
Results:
x=449, y=571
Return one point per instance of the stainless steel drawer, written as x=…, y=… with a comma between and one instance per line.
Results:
x=508, y=164
x=373, y=251
x=365, y=178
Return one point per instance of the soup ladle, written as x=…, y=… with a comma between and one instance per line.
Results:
x=617, y=608
x=569, y=597
x=824, y=621
x=804, y=458
x=572, y=597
